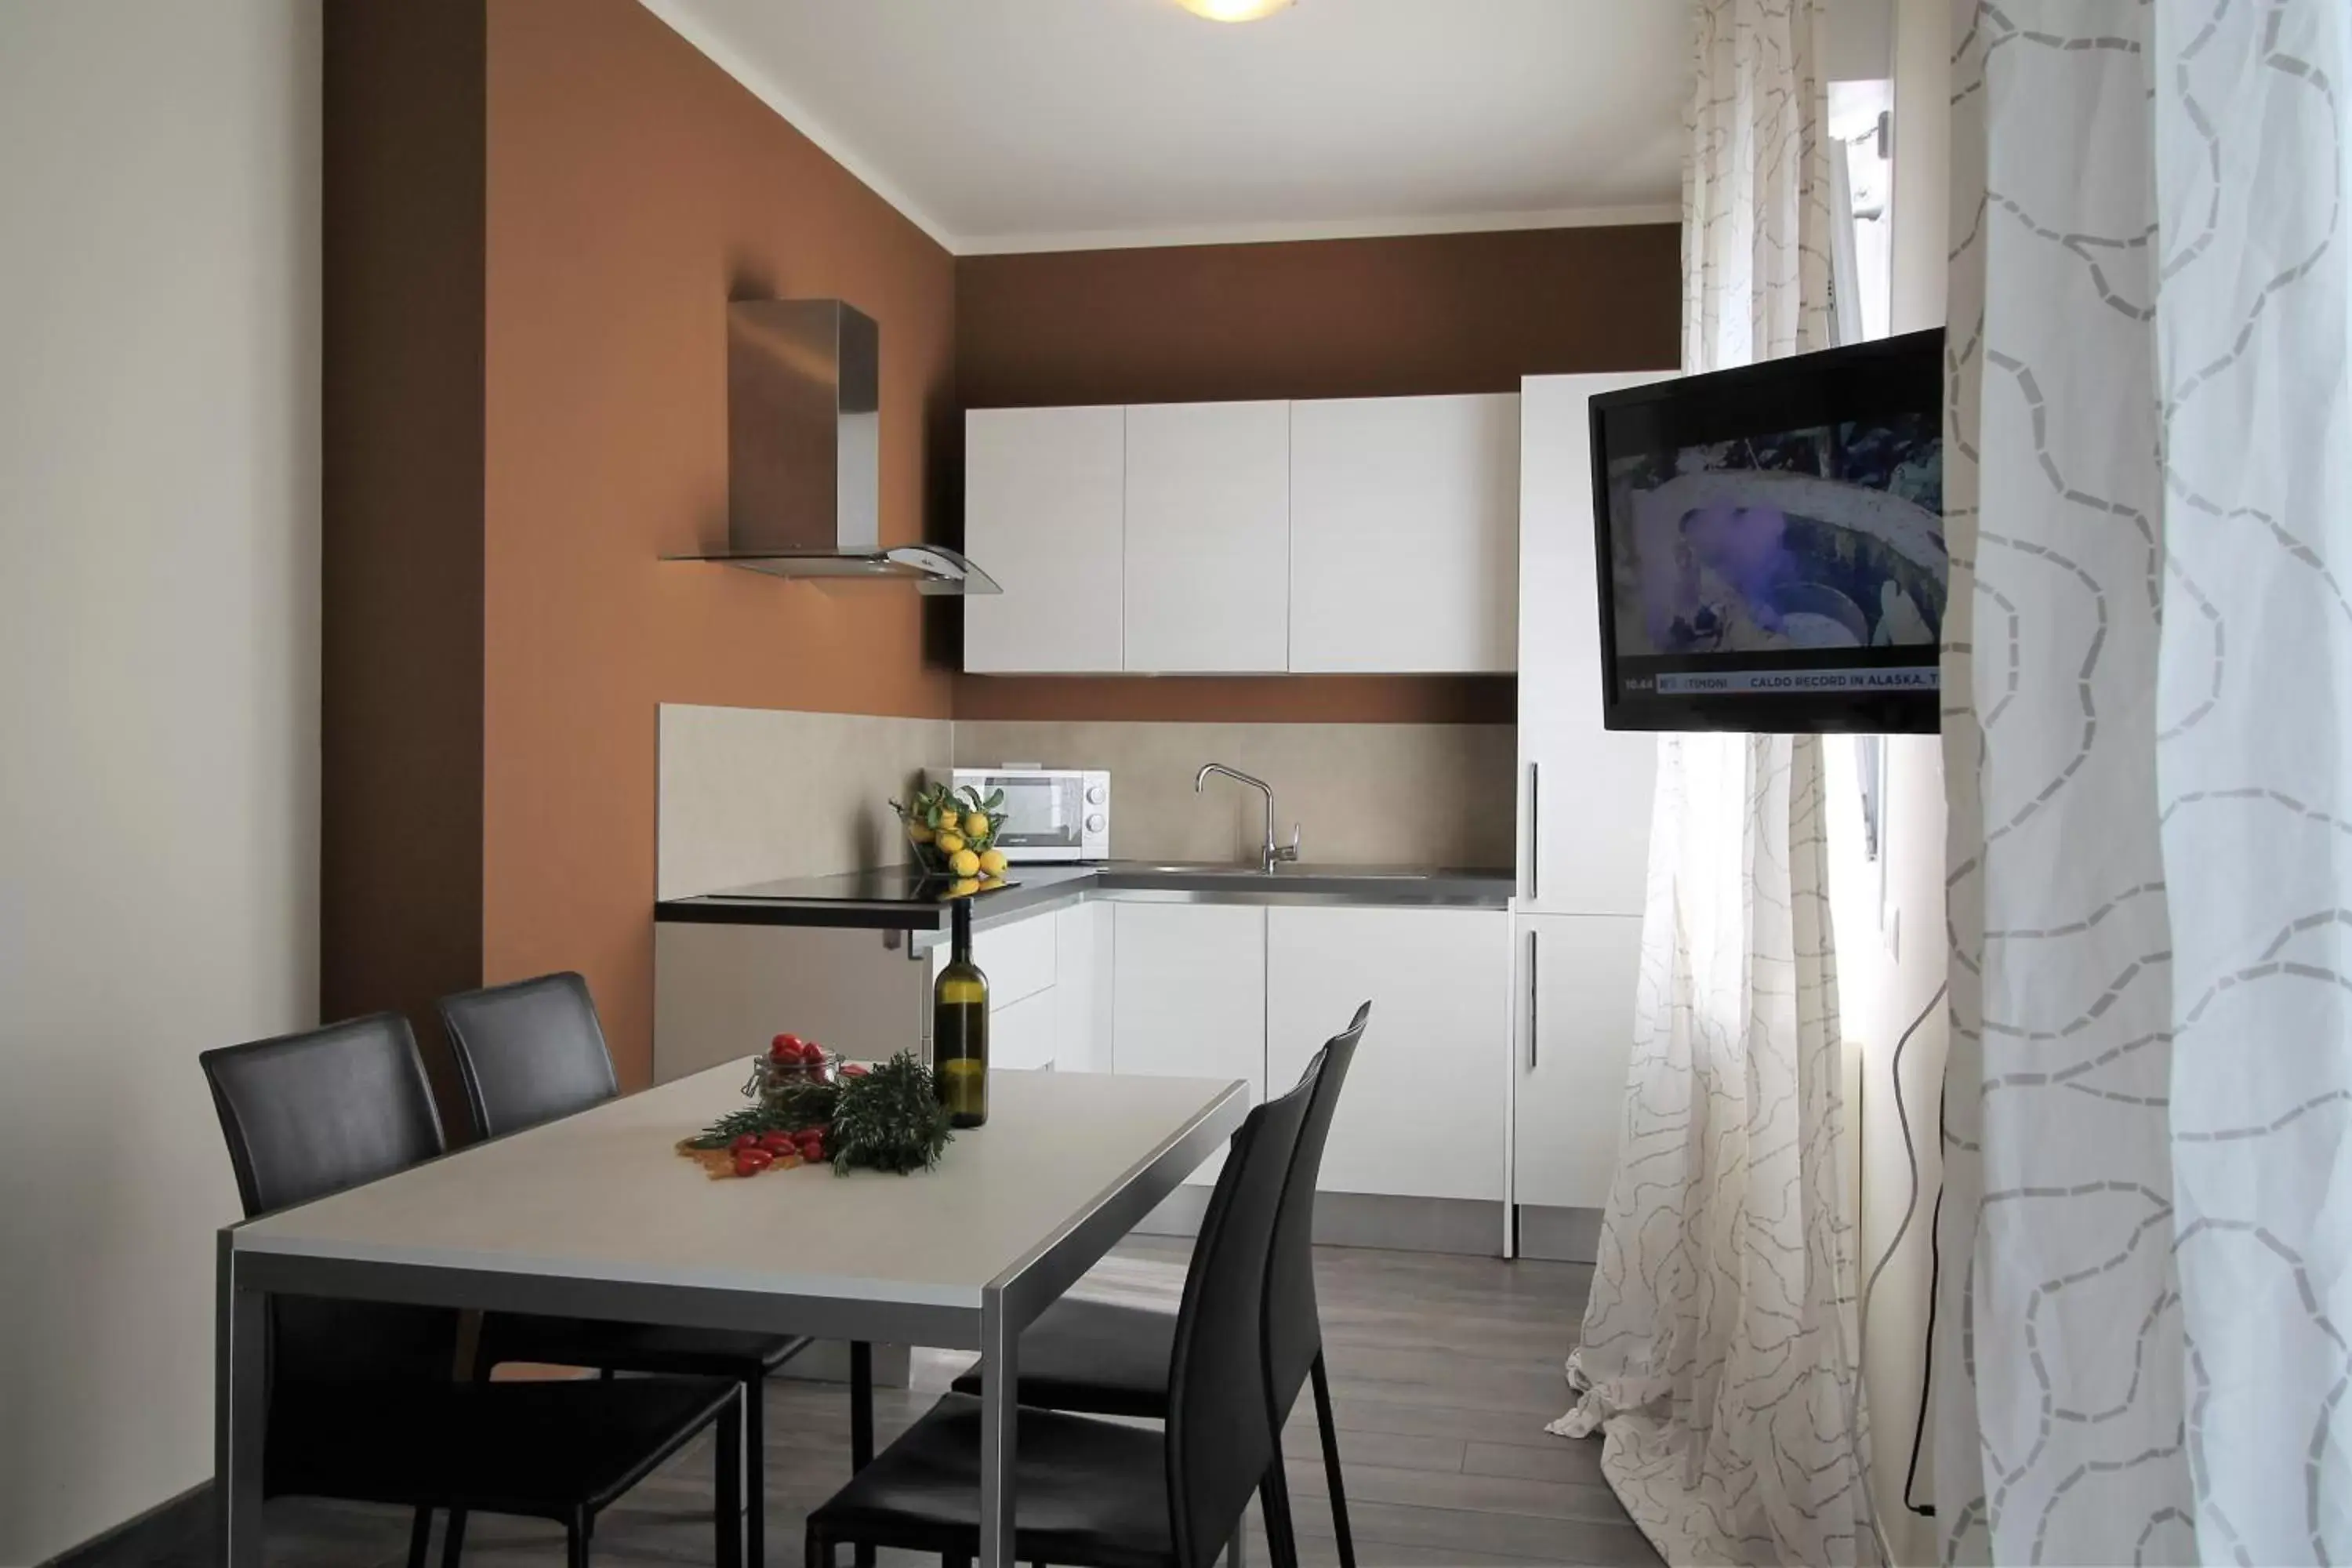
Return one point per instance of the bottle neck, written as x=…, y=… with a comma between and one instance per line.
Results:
x=960, y=926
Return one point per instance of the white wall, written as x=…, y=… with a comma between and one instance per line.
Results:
x=159, y=701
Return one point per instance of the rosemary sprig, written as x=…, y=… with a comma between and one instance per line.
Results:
x=790, y=1110
x=889, y=1118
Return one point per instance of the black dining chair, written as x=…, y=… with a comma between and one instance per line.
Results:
x=362, y=1403
x=527, y=1053
x=1094, y=1493
x=1111, y=1358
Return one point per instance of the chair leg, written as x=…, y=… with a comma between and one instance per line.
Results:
x=1274, y=1498
x=453, y=1539
x=575, y=1540
x=819, y=1551
x=861, y=1427
x=420, y=1537
x=727, y=1484
x=1347, y=1540
x=755, y=1471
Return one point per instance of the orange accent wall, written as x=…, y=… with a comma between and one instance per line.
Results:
x=633, y=188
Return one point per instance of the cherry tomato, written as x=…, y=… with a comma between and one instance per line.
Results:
x=751, y=1162
x=743, y=1141
x=776, y=1142
x=856, y=1069
x=785, y=1047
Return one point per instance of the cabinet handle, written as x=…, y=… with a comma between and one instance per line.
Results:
x=1533, y=992
x=1535, y=831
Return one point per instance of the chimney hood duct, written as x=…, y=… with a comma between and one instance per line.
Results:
x=804, y=452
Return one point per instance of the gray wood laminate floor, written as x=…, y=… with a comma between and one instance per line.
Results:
x=1443, y=1370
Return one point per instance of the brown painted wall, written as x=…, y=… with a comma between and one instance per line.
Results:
x=633, y=188
x=1347, y=317
x=1339, y=318
x=401, y=733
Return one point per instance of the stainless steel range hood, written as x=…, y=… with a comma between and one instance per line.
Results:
x=804, y=453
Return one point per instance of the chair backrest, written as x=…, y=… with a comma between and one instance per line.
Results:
x=1293, y=1326
x=1219, y=1439
x=529, y=1052
x=310, y=1114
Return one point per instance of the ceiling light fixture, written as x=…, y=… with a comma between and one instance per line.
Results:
x=1233, y=10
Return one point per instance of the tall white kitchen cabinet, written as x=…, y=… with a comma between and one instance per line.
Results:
x=1423, y=1105
x=1584, y=840
x=1188, y=995
x=1405, y=534
x=1207, y=580
x=1578, y=979
x=1584, y=791
x=1045, y=500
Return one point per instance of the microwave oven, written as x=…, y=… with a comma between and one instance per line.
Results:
x=1050, y=814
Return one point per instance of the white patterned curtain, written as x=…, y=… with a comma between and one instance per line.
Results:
x=1717, y=1357
x=2141, y=1348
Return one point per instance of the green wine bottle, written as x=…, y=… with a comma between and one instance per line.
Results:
x=960, y=1028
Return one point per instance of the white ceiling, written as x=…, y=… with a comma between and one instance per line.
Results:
x=1047, y=124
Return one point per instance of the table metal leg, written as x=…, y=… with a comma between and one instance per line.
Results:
x=999, y=1405
x=240, y=1400
x=861, y=1425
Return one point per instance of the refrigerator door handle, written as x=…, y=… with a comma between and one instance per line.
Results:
x=1535, y=831
x=1534, y=990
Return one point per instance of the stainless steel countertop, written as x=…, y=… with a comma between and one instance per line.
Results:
x=850, y=900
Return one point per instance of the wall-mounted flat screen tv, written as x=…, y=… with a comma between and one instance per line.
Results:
x=1771, y=543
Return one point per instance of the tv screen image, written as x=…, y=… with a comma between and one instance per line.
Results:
x=1772, y=544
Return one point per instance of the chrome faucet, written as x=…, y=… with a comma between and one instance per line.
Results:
x=1270, y=854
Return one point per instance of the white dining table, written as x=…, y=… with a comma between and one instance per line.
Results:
x=598, y=1216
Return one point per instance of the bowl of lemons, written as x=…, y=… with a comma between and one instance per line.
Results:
x=954, y=835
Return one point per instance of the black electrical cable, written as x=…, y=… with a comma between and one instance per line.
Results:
x=1910, y=1210
x=1927, y=1358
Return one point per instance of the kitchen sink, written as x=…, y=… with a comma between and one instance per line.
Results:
x=1288, y=870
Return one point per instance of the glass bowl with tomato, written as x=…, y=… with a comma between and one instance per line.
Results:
x=789, y=1066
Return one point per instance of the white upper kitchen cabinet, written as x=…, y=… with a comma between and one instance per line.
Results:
x=1207, y=579
x=1404, y=517
x=1423, y=1109
x=1578, y=976
x=1044, y=493
x=1584, y=791
x=1188, y=995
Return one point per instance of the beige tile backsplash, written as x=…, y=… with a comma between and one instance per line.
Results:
x=1362, y=794
x=748, y=794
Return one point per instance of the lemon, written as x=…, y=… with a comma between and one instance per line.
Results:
x=919, y=833
x=950, y=841
x=964, y=863
x=976, y=825
x=993, y=862
x=965, y=889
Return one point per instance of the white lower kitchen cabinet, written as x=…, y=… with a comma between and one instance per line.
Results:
x=1082, y=987
x=1576, y=977
x=1188, y=995
x=1424, y=1105
x=1024, y=1034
